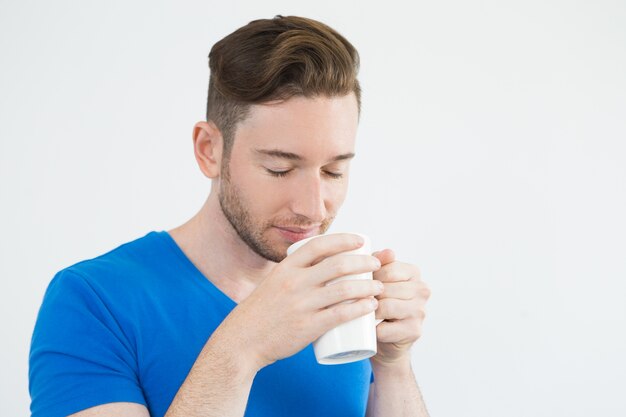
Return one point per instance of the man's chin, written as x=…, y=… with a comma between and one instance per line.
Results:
x=270, y=249
x=279, y=252
x=274, y=256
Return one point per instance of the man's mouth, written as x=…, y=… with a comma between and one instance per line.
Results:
x=294, y=234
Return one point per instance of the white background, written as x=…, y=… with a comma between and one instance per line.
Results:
x=491, y=153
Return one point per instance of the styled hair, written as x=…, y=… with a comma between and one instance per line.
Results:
x=276, y=59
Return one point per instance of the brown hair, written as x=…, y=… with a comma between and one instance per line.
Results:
x=275, y=59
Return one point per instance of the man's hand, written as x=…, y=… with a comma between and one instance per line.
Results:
x=292, y=306
x=401, y=305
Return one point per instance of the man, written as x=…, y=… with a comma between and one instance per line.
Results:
x=212, y=318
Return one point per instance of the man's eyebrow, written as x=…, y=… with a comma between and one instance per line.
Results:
x=295, y=157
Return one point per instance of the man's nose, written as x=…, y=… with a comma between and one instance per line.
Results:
x=309, y=198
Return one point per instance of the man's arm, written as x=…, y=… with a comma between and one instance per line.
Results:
x=394, y=392
x=218, y=384
x=401, y=307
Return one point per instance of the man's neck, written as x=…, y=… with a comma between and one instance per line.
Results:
x=214, y=247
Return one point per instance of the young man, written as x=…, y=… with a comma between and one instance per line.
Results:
x=212, y=318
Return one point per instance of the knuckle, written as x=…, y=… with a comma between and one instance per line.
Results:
x=425, y=292
x=383, y=308
x=341, y=290
x=382, y=274
x=393, y=274
x=386, y=271
x=341, y=268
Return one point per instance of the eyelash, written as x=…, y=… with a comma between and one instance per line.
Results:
x=284, y=173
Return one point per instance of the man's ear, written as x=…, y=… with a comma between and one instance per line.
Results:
x=208, y=146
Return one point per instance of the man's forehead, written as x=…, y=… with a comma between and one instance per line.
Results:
x=301, y=129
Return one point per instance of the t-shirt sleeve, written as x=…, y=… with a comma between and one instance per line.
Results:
x=80, y=355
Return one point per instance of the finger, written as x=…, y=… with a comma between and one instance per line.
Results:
x=396, y=271
x=385, y=256
x=342, y=265
x=404, y=290
x=329, y=318
x=405, y=331
x=342, y=291
x=394, y=309
x=322, y=247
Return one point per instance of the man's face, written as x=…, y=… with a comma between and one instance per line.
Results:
x=288, y=171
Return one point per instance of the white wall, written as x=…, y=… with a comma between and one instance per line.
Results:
x=491, y=153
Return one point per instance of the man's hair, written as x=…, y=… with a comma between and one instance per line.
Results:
x=276, y=59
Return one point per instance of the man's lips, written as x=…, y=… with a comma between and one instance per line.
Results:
x=294, y=234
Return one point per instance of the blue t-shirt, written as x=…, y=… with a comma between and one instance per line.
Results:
x=128, y=326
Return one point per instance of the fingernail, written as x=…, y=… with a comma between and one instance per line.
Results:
x=374, y=303
x=381, y=286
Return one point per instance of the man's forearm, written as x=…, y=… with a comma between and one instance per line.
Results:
x=218, y=384
x=395, y=393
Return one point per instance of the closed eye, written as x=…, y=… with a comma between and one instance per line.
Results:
x=278, y=173
x=334, y=175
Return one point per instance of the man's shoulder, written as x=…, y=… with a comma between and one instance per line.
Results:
x=128, y=262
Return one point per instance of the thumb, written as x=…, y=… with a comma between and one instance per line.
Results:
x=385, y=256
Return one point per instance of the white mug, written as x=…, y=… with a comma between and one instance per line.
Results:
x=353, y=340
